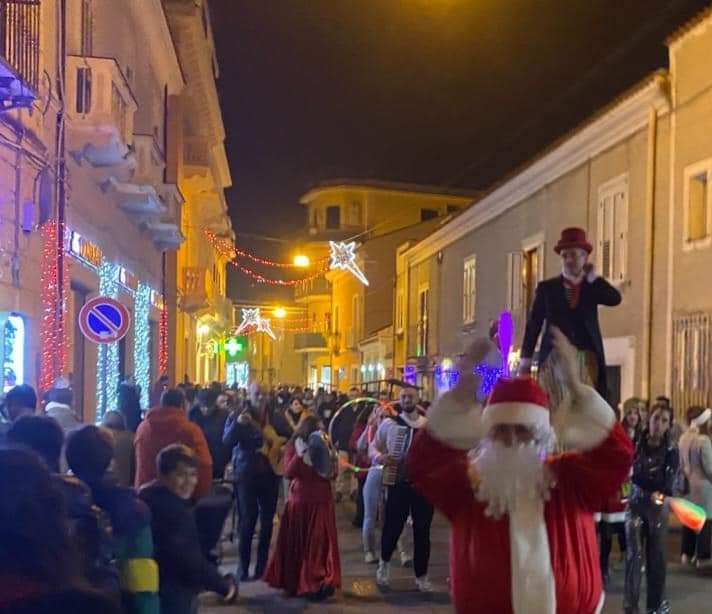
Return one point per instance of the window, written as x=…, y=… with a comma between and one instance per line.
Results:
x=428, y=214
x=333, y=217
x=612, y=229
x=532, y=273
x=692, y=340
x=469, y=290
x=514, y=281
x=83, y=96
x=87, y=41
x=400, y=315
x=698, y=205
x=355, y=375
x=356, y=318
x=356, y=213
x=118, y=110
x=423, y=308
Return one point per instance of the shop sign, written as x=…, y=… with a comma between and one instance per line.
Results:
x=84, y=250
x=128, y=279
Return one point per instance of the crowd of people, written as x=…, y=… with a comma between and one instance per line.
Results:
x=138, y=513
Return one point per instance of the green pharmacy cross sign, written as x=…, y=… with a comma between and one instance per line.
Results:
x=235, y=347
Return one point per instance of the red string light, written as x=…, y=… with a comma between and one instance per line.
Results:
x=227, y=250
x=52, y=326
x=259, y=278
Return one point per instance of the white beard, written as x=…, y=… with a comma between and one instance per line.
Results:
x=510, y=476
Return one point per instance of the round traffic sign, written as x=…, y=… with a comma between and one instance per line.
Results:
x=104, y=320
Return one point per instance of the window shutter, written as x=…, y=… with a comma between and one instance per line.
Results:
x=621, y=236
x=514, y=277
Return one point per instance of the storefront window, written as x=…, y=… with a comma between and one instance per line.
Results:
x=13, y=351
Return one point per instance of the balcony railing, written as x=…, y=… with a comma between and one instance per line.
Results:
x=310, y=342
x=20, y=47
x=196, y=152
x=312, y=288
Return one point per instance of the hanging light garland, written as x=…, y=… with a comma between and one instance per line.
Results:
x=107, y=355
x=226, y=249
x=259, y=278
x=142, y=339
x=52, y=327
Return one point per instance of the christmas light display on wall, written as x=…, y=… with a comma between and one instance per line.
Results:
x=343, y=257
x=252, y=320
x=107, y=355
x=52, y=327
x=142, y=340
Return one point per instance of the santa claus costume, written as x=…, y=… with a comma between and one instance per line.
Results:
x=539, y=556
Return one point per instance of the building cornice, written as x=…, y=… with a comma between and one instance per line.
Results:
x=622, y=120
x=338, y=185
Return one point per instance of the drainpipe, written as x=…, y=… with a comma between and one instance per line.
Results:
x=649, y=251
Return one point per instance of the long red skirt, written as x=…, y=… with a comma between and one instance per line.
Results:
x=306, y=557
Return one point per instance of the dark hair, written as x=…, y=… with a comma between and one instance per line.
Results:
x=41, y=434
x=34, y=540
x=163, y=379
x=173, y=397
x=209, y=396
x=22, y=395
x=61, y=395
x=114, y=420
x=171, y=456
x=89, y=452
x=693, y=412
x=306, y=428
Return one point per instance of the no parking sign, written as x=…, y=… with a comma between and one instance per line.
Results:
x=104, y=320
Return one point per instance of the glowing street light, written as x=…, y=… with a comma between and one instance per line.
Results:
x=301, y=261
x=203, y=329
x=280, y=313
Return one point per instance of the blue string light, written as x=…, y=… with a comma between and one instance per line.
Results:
x=142, y=339
x=489, y=375
x=107, y=355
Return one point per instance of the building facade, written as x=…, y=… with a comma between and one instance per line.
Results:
x=92, y=173
x=635, y=176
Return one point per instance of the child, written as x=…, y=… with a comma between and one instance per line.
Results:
x=89, y=454
x=306, y=561
x=184, y=571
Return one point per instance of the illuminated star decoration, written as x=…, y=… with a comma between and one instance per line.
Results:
x=344, y=258
x=251, y=318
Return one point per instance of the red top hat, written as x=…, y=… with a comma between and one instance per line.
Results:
x=573, y=237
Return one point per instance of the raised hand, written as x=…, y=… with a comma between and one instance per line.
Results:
x=566, y=358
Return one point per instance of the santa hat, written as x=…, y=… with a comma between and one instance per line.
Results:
x=517, y=401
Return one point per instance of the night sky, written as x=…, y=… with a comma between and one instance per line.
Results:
x=445, y=92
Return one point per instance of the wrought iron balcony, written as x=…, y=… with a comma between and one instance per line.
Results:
x=20, y=49
x=312, y=289
x=198, y=290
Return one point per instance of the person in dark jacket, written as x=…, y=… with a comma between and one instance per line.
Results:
x=129, y=400
x=210, y=415
x=38, y=572
x=655, y=466
x=19, y=401
x=183, y=569
x=90, y=528
x=570, y=302
x=256, y=481
x=89, y=454
x=341, y=429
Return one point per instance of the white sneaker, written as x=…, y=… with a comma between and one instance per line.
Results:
x=406, y=560
x=383, y=573
x=423, y=584
x=370, y=558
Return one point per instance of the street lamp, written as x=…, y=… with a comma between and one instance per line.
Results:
x=280, y=313
x=301, y=261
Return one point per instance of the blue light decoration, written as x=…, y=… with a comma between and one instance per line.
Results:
x=409, y=375
x=142, y=340
x=107, y=354
x=489, y=374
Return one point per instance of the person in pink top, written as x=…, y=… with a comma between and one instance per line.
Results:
x=166, y=425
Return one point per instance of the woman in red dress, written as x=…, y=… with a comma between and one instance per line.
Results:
x=305, y=561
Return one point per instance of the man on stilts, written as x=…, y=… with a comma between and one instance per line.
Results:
x=570, y=302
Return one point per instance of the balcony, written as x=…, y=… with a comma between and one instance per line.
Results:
x=312, y=290
x=198, y=290
x=150, y=160
x=102, y=107
x=141, y=202
x=20, y=49
x=310, y=342
x=166, y=236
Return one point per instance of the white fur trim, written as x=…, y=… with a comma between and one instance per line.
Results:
x=456, y=423
x=528, y=414
x=533, y=586
x=703, y=418
x=601, y=603
x=587, y=421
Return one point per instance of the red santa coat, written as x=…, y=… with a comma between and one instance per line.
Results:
x=480, y=563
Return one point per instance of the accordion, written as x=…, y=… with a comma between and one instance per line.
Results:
x=391, y=473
